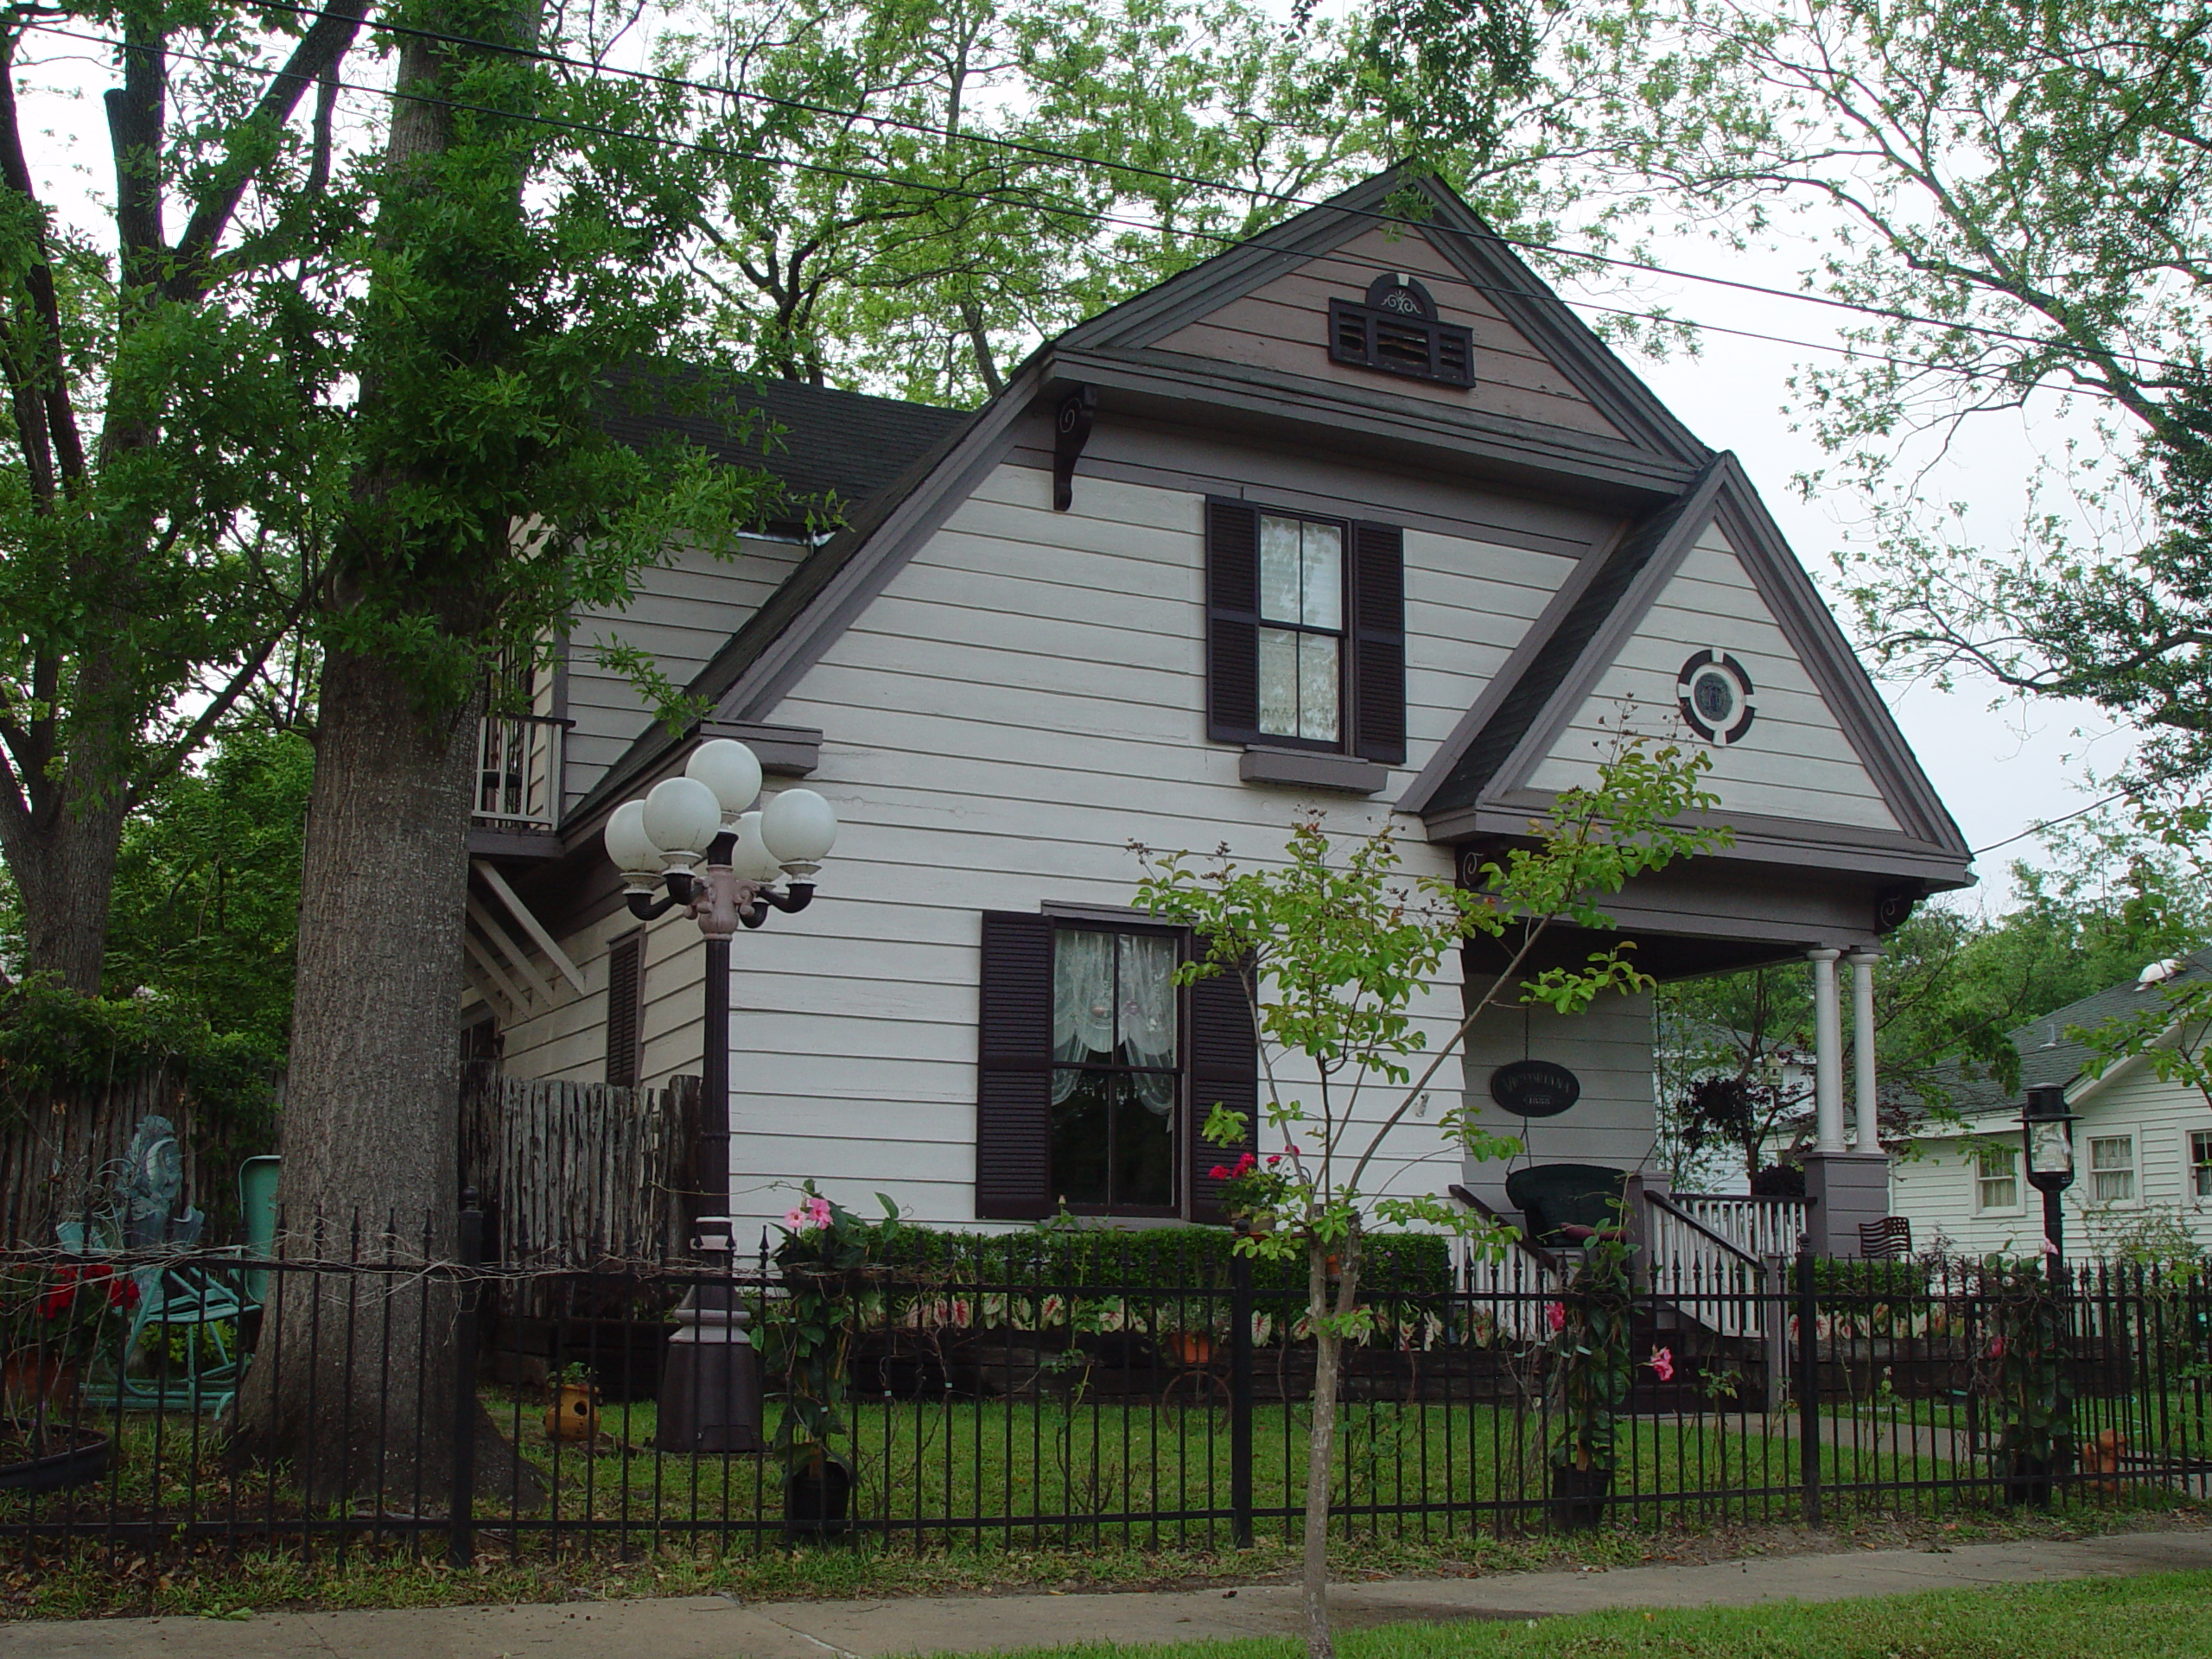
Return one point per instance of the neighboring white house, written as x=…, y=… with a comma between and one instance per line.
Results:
x=1357, y=516
x=2142, y=1149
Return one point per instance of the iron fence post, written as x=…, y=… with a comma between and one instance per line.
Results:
x=1239, y=1400
x=1808, y=1384
x=460, y=1541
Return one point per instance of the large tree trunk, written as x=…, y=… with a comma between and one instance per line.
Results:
x=1321, y=1442
x=63, y=865
x=355, y=1384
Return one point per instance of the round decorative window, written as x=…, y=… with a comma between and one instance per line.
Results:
x=1716, y=696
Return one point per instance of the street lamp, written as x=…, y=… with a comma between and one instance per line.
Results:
x=2047, y=1131
x=699, y=837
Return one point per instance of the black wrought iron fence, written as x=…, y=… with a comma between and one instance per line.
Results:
x=1023, y=1410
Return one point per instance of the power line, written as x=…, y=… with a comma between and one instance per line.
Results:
x=1098, y=216
x=2052, y=823
x=1253, y=191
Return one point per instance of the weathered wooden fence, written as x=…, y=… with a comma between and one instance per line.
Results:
x=580, y=1174
x=62, y=1155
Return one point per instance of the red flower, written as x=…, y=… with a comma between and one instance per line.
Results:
x=1218, y=1173
x=1555, y=1315
x=122, y=1292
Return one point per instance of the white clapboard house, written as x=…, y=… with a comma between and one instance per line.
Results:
x=1356, y=516
x=2142, y=1145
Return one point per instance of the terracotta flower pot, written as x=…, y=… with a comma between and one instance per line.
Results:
x=1190, y=1347
x=574, y=1414
x=38, y=1385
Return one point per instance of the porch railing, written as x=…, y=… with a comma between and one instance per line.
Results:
x=519, y=770
x=1704, y=1275
x=1757, y=1226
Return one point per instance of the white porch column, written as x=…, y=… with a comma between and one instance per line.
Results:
x=1863, y=1099
x=1828, y=1054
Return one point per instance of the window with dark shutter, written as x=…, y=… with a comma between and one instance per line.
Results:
x=1224, y=1070
x=1379, y=643
x=1306, y=631
x=625, y=1007
x=1013, y=1086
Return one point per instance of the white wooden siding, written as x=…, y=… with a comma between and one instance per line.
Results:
x=1795, y=762
x=1608, y=1047
x=685, y=611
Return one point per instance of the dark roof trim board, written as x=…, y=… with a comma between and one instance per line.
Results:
x=1389, y=423
x=1544, y=697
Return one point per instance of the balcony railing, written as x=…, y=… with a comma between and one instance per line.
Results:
x=519, y=772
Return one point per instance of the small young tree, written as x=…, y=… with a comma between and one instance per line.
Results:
x=1334, y=954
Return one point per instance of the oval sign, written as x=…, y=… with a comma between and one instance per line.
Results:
x=1535, y=1088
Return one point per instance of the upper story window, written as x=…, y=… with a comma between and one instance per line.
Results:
x=1301, y=628
x=1306, y=631
x=1396, y=329
x=2111, y=1168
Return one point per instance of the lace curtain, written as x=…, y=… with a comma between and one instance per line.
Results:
x=1095, y=1023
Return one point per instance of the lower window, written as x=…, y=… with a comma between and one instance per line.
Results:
x=1117, y=1070
x=1997, y=1179
x=2112, y=1169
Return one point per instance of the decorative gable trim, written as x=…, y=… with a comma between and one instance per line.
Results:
x=1485, y=764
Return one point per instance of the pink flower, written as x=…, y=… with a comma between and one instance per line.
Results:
x=795, y=1219
x=1273, y=1158
x=819, y=1208
x=1996, y=1349
x=1663, y=1363
x=1555, y=1315
x=2049, y=1248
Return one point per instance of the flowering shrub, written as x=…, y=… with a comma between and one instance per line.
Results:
x=55, y=1316
x=806, y=1337
x=1592, y=1371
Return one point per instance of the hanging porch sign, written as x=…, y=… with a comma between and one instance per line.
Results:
x=1535, y=1088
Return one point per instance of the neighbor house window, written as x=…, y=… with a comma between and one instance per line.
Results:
x=2200, y=1163
x=1117, y=1070
x=2111, y=1168
x=1301, y=628
x=1997, y=1179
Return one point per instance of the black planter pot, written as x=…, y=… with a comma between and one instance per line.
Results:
x=1579, y=1498
x=2028, y=1480
x=817, y=1501
x=71, y=1466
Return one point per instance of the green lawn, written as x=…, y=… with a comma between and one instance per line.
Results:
x=2166, y=1616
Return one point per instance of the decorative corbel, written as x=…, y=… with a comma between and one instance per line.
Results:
x=1071, y=432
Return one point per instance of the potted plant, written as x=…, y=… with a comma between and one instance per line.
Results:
x=1590, y=1374
x=1189, y=1328
x=573, y=1412
x=833, y=1287
x=54, y=1317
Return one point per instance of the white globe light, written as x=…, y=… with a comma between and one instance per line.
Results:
x=731, y=770
x=752, y=862
x=682, y=816
x=627, y=843
x=798, y=827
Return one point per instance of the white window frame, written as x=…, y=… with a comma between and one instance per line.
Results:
x=2191, y=1165
x=2134, y=1170
x=2018, y=1206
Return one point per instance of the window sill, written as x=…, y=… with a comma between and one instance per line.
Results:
x=1311, y=769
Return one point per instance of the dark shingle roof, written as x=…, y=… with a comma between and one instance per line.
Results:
x=2049, y=1055
x=825, y=445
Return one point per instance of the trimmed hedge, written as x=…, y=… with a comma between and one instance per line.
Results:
x=1845, y=1276
x=1163, y=1258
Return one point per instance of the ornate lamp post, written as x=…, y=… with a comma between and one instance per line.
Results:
x=2047, y=1130
x=699, y=837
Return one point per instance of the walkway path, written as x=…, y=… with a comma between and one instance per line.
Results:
x=712, y=1627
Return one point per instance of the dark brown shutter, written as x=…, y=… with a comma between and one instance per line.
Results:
x=1378, y=607
x=625, y=963
x=1225, y=1069
x=1014, y=1081
x=1232, y=622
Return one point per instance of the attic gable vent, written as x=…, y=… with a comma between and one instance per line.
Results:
x=1395, y=329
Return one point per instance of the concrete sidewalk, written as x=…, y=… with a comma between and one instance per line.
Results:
x=712, y=1627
